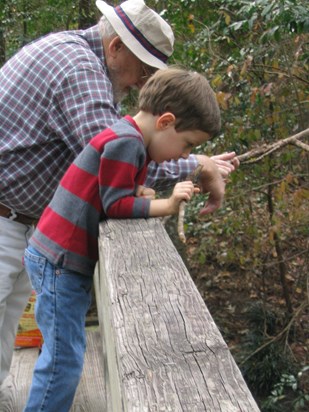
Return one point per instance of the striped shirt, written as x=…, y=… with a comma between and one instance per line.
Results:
x=55, y=95
x=101, y=182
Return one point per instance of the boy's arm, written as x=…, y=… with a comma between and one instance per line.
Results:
x=165, y=207
x=122, y=169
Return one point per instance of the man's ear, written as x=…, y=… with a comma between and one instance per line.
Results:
x=165, y=121
x=115, y=46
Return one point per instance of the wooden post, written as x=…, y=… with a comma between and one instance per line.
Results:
x=162, y=348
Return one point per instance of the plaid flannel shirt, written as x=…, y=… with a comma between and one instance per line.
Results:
x=55, y=95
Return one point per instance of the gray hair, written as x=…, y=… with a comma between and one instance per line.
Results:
x=105, y=28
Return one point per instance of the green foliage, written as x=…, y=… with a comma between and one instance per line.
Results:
x=288, y=394
x=255, y=55
x=23, y=21
x=267, y=363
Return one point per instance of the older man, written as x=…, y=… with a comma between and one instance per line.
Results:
x=55, y=95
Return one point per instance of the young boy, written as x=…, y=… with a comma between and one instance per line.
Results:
x=177, y=111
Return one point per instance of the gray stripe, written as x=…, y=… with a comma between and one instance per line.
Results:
x=76, y=211
x=60, y=257
x=141, y=208
x=88, y=160
x=109, y=195
x=128, y=146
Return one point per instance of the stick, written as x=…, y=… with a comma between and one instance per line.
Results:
x=181, y=218
x=182, y=205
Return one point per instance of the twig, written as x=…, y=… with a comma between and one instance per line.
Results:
x=182, y=205
x=181, y=218
x=259, y=153
x=280, y=334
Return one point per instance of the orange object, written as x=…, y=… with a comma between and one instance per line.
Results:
x=28, y=333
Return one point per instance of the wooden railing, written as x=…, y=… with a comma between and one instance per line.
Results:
x=162, y=349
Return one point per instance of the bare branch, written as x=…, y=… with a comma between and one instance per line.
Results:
x=259, y=153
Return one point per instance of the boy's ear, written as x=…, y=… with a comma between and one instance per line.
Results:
x=115, y=46
x=165, y=120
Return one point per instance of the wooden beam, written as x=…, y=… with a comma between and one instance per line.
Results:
x=165, y=352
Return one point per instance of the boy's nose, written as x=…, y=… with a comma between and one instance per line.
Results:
x=185, y=154
x=140, y=83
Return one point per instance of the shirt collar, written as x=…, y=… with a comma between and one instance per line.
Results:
x=92, y=36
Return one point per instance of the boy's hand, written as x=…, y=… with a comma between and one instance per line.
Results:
x=182, y=191
x=146, y=192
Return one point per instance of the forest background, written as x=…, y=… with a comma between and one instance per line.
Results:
x=250, y=259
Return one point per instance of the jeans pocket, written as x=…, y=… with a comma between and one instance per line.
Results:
x=35, y=265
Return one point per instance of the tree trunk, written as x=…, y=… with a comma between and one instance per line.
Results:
x=2, y=48
x=86, y=15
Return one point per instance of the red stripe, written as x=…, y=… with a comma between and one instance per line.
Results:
x=67, y=235
x=114, y=173
x=83, y=185
x=100, y=140
x=123, y=208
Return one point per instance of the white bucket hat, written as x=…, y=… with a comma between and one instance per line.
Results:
x=142, y=30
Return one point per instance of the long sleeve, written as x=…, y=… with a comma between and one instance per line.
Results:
x=165, y=175
x=125, y=161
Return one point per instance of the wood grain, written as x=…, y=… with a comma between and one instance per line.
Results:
x=166, y=353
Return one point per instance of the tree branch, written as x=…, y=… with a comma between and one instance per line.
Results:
x=280, y=334
x=250, y=157
x=259, y=153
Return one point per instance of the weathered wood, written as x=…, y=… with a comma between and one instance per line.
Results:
x=15, y=389
x=164, y=351
x=90, y=395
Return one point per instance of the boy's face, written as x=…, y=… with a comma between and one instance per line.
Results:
x=168, y=144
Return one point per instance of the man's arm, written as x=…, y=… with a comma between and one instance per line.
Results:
x=211, y=182
x=164, y=176
x=215, y=170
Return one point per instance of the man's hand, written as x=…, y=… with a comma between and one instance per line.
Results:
x=227, y=163
x=211, y=181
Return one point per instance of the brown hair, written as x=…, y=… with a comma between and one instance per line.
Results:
x=187, y=95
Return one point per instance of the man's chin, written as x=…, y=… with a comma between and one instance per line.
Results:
x=119, y=95
x=118, y=92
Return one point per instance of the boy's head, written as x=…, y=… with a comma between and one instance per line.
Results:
x=185, y=94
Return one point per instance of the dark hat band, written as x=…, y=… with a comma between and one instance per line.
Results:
x=139, y=36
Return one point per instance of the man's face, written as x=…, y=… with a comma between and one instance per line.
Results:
x=127, y=72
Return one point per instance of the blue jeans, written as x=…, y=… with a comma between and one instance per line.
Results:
x=63, y=298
